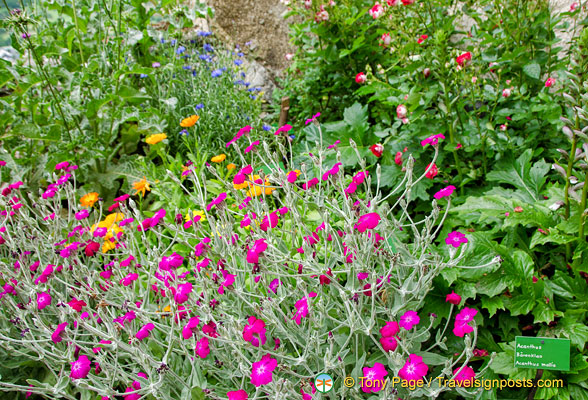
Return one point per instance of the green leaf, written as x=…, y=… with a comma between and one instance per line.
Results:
x=520, y=305
x=356, y=117
x=532, y=69
x=492, y=304
x=432, y=358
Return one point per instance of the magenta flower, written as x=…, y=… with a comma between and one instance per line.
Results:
x=129, y=279
x=453, y=298
x=127, y=261
x=462, y=320
x=390, y=329
x=310, y=184
x=432, y=140
x=332, y=146
x=409, y=319
x=183, y=292
x=56, y=335
x=302, y=308
x=76, y=304
x=389, y=343
x=43, y=300
x=285, y=128
x=243, y=131
x=82, y=214
x=445, y=192
x=61, y=165
x=202, y=348
x=218, y=200
x=269, y=222
x=376, y=376
x=228, y=280
x=145, y=331
x=251, y=146
x=273, y=286
x=190, y=327
x=96, y=350
x=254, y=332
x=455, y=239
x=261, y=371
x=414, y=369
x=173, y=261
x=549, y=82
x=367, y=221
x=80, y=368
x=464, y=376
x=292, y=176
x=237, y=395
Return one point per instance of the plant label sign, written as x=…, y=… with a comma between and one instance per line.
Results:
x=542, y=353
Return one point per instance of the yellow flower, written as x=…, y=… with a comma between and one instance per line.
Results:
x=231, y=166
x=111, y=219
x=190, y=121
x=141, y=186
x=218, y=159
x=255, y=189
x=108, y=245
x=89, y=199
x=195, y=214
x=153, y=139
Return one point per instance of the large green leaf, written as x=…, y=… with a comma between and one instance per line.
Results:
x=532, y=69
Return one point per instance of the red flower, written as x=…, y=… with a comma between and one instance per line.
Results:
x=461, y=60
x=91, y=248
x=360, y=78
x=398, y=158
x=432, y=171
x=377, y=149
x=422, y=39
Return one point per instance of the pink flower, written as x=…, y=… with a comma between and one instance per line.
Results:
x=445, y=192
x=190, y=327
x=80, y=368
x=462, y=320
x=237, y=395
x=453, y=298
x=506, y=92
x=183, y=292
x=432, y=171
x=432, y=140
x=173, y=261
x=332, y=146
x=455, y=239
x=292, y=176
x=77, y=304
x=129, y=279
x=409, y=319
x=401, y=111
x=463, y=59
x=376, y=11
x=377, y=149
x=127, y=261
x=251, y=146
x=273, y=286
x=43, y=300
x=243, y=131
x=269, y=222
x=360, y=177
x=145, y=331
x=254, y=332
x=202, y=348
x=61, y=165
x=261, y=371
x=386, y=39
x=284, y=129
x=302, y=308
x=310, y=184
x=56, y=335
x=388, y=343
x=360, y=78
x=228, y=280
x=464, y=376
x=218, y=200
x=550, y=81
x=422, y=38
x=82, y=214
x=390, y=329
x=398, y=158
x=414, y=369
x=367, y=221
x=574, y=6
x=376, y=376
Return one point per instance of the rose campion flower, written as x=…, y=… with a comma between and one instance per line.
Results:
x=464, y=376
x=360, y=78
x=237, y=395
x=173, y=261
x=409, y=319
x=202, y=348
x=261, y=371
x=374, y=374
x=401, y=111
x=302, y=308
x=389, y=343
x=445, y=192
x=183, y=292
x=56, y=335
x=453, y=298
x=377, y=149
x=80, y=368
x=367, y=221
x=77, y=304
x=254, y=332
x=414, y=369
x=455, y=239
x=390, y=329
x=190, y=327
x=549, y=82
x=43, y=300
x=376, y=11
x=145, y=331
x=432, y=140
x=432, y=171
x=462, y=320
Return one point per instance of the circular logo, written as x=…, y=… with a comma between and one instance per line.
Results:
x=323, y=383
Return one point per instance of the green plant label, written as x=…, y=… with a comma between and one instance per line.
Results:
x=542, y=353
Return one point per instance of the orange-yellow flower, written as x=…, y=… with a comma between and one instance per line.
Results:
x=141, y=186
x=89, y=199
x=190, y=121
x=231, y=166
x=218, y=159
x=158, y=137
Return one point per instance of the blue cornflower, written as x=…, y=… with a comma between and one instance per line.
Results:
x=240, y=54
x=207, y=47
x=247, y=84
x=292, y=137
x=266, y=127
x=242, y=74
x=192, y=41
x=143, y=76
x=194, y=72
x=187, y=67
x=253, y=97
x=216, y=73
x=184, y=132
x=205, y=57
x=204, y=33
x=173, y=42
x=199, y=106
x=180, y=50
x=223, y=69
x=239, y=82
x=162, y=40
x=238, y=63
